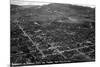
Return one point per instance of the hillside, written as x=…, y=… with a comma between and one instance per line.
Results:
x=53, y=33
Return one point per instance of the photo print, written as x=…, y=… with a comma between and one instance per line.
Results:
x=51, y=33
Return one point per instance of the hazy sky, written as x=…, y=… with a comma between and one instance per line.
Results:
x=27, y=2
x=42, y=2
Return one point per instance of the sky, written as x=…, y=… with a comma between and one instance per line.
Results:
x=90, y=3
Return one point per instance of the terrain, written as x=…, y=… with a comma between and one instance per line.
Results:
x=53, y=33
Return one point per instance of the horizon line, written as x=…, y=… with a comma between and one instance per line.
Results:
x=44, y=2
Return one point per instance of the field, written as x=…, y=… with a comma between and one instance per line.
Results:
x=53, y=33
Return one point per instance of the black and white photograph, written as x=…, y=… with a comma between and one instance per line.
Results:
x=45, y=33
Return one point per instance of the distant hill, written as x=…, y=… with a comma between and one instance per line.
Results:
x=54, y=12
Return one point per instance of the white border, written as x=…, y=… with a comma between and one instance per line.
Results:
x=5, y=38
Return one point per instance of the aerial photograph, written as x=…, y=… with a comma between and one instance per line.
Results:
x=51, y=33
